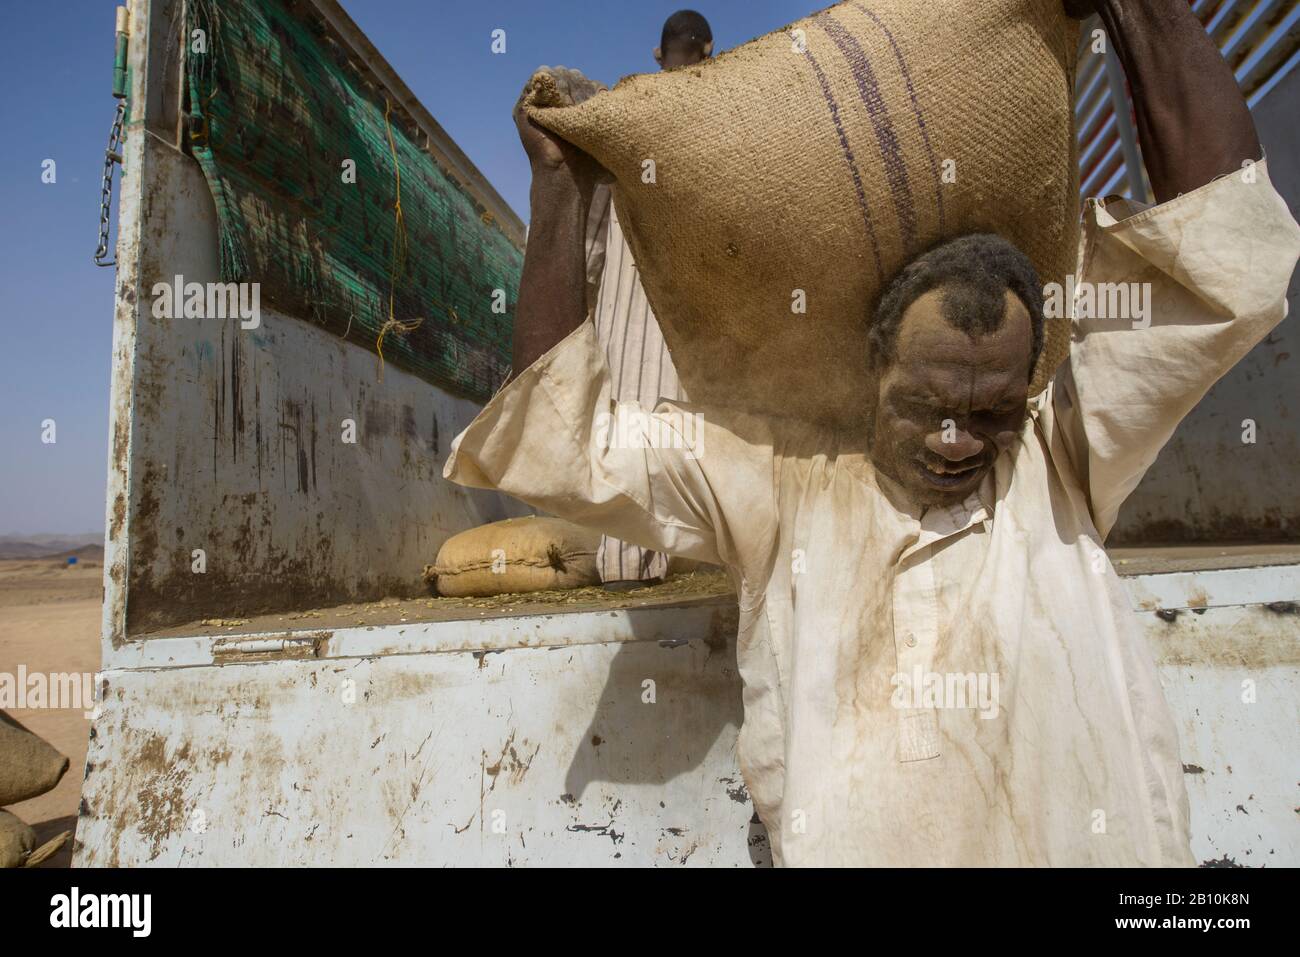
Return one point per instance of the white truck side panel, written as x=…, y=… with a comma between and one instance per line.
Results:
x=618, y=753
x=212, y=750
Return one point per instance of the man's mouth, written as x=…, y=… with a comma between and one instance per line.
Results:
x=949, y=476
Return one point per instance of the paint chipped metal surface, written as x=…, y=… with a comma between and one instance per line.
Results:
x=556, y=756
x=550, y=728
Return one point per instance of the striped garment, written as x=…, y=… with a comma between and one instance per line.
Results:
x=639, y=363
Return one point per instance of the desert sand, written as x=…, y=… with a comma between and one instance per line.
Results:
x=49, y=621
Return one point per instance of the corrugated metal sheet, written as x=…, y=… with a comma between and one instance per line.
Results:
x=1260, y=41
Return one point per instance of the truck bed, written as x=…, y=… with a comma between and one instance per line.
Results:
x=1157, y=560
x=683, y=590
x=678, y=590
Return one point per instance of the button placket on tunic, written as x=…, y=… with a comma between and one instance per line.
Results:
x=917, y=628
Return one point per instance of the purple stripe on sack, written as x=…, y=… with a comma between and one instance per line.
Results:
x=848, y=158
x=869, y=89
x=916, y=109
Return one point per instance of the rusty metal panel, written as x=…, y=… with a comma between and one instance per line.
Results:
x=554, y=756
x=146, y=104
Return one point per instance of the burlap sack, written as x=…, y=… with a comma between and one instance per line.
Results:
x=28, y=766
x=17, y=841
x=819, y=159
x=516, y=555
x=48, y=849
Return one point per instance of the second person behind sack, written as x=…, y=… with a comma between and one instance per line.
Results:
x=626, y=328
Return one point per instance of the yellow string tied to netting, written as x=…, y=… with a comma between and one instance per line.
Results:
x=399, y=251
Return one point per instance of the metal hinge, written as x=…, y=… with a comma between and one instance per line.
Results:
x=263, y=648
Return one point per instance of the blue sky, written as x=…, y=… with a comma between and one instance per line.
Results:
x=56, y=62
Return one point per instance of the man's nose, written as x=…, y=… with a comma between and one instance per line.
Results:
x=953, y=444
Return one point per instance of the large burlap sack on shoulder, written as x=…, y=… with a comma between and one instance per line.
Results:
x=516, y=555
x=28, y=766
x=821, y=158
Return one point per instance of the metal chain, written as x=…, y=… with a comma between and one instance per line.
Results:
x=111, y=155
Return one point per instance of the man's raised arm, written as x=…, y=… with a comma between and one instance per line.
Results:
x=553, y=286
x=1181, y=291
x=670, y=479
x=1193, y=122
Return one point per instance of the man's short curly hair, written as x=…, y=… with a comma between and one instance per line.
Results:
x=975, y=271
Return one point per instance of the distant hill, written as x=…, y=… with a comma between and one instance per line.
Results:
x=87, y=547
x=86, y=553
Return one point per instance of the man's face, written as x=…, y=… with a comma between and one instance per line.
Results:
x=949, y=403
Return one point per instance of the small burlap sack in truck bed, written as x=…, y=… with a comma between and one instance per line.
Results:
x=533, y=553
x=820, y=159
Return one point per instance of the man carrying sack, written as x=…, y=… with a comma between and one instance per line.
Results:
x=940, y=665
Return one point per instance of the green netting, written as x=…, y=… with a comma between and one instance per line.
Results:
x=275, y=109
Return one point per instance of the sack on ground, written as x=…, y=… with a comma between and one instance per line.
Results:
x=18, y=843
x=769, y=194
x=17, y=840
x=28, y=766
x=516, y=555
